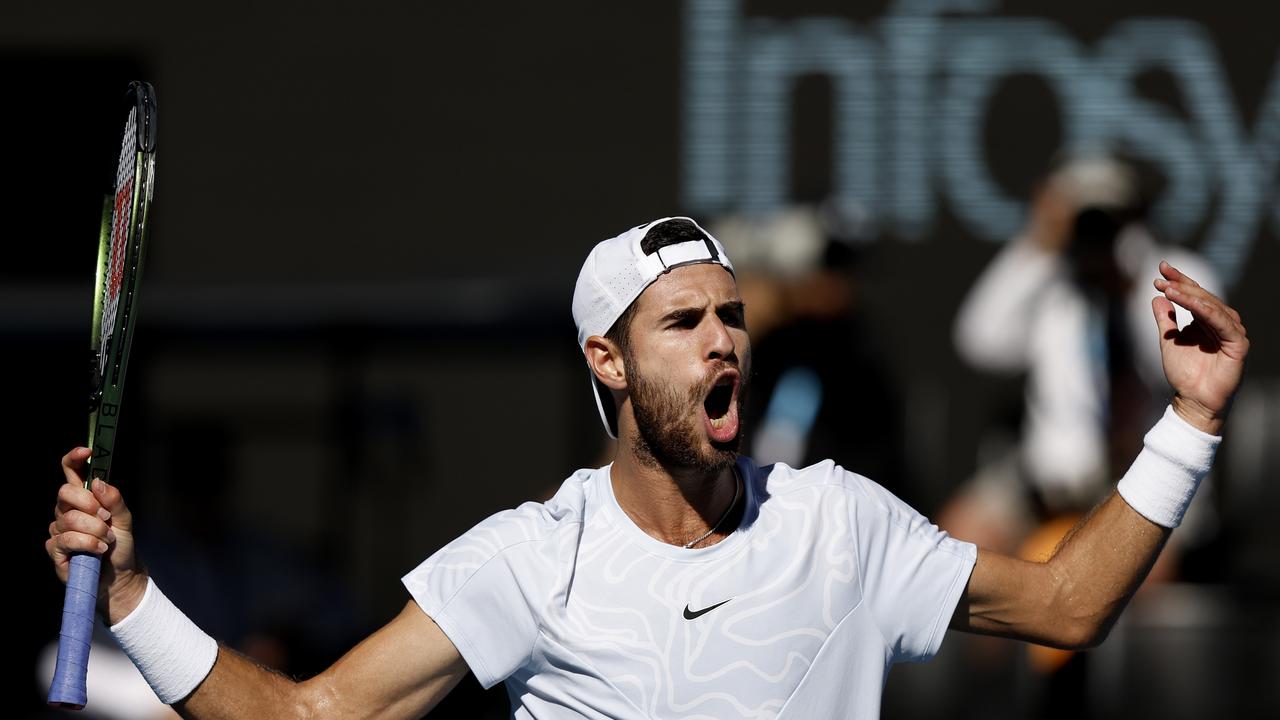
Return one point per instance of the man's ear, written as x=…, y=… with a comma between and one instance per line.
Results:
x=605, y=360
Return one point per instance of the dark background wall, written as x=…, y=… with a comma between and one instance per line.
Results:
x=355, y=339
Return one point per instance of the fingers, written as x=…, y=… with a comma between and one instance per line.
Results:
x=72, y=542
x=1174, y=274
x=1211, y=311
x=1222, y=319
x=86, y=520
x=74, y=463
x=112, y=502
x=79, y=511
x=73, y=497
x=81, y=517
x=1166, y=320
x=75, y=531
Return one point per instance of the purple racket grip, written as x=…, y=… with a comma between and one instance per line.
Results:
x=68, y=688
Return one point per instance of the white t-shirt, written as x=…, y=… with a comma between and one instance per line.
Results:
x=799, y=613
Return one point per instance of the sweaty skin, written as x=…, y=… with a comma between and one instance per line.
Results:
x=687, y=322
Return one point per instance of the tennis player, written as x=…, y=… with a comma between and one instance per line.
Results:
x=684, y=580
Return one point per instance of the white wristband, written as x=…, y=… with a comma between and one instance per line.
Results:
x=173, y=654
x=1165, y=475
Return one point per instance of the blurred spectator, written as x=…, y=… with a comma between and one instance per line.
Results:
x=813, y=357
x=1069, y=303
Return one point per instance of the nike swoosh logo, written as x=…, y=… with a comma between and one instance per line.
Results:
x=695, y=614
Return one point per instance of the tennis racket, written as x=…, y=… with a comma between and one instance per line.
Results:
x=120, y=250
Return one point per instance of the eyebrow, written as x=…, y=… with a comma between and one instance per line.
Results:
x=732, y=305
x=686, y=313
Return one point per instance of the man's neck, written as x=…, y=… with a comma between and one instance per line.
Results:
x=675, y=505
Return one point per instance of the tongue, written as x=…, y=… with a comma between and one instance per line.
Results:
x=724, y=428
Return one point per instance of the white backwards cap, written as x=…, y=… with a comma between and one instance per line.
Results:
x=614, y=275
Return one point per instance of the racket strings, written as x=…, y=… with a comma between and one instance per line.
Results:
x=121, y=221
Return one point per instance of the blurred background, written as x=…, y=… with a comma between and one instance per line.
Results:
x=368, y=221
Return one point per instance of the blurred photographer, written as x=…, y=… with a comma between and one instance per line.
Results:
x=1068, y=303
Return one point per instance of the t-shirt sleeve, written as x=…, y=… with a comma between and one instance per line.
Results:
x=913, y=573
x=482, y=590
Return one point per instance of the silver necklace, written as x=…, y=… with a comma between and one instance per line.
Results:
x=737, y=487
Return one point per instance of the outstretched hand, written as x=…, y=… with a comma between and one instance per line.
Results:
x=1203, y=361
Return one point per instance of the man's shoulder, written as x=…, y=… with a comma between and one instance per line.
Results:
x=780, y=477
x=532, y=522
x=526, y=539
x=826, y=477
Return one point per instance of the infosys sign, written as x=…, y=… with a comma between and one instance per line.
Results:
x=912, y=91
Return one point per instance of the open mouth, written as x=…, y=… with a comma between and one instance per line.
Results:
x=721, y=408
x=717, y=403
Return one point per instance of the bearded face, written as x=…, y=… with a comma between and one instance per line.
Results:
x=683, y=369
x=669, y=419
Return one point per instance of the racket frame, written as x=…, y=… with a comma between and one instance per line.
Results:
x=109, y=377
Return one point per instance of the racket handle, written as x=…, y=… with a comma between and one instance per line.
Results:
x=68, y=689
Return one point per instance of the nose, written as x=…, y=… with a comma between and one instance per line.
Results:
x=720, y=344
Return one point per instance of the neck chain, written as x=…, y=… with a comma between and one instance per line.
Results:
x=737, y=487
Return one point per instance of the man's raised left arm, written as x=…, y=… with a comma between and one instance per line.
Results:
x=1073, y=599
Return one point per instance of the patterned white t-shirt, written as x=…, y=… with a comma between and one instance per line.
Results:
x=799, y=613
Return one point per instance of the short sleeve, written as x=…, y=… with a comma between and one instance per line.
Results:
x=913, y=573
x=483, y=591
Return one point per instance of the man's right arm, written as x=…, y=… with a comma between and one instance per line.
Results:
x=402, y=670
